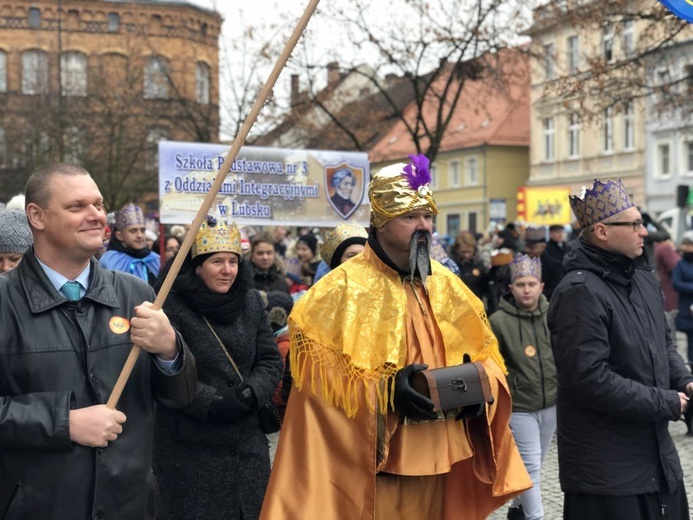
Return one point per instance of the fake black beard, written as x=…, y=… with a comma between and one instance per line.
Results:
x=419, y=260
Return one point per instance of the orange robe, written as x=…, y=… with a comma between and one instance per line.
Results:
x=343, y=454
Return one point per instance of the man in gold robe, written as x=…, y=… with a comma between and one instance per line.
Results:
x=358, y=442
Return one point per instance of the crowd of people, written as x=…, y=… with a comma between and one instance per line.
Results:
x=331, y=347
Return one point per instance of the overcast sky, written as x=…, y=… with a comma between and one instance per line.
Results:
x=271, y=20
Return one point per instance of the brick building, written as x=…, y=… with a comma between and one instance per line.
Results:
x=99, y=83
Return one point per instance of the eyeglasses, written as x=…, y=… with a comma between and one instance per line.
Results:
x=636, y=224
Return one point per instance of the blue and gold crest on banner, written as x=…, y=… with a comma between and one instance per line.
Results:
x=345, y=188
x=681, y=8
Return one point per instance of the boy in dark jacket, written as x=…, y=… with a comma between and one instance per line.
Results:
x=523, y=339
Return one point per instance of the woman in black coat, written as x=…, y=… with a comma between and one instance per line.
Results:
x=682, y=279
x=211, y=458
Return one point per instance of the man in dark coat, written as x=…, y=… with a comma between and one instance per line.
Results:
x=67, y=326
x=552, y=259
x=620, y=379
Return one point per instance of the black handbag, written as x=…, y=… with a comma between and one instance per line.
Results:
x=455, y=386
x=268, y=415
x=270, y=420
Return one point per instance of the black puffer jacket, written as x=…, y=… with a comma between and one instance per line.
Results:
x=618, y=377
x=56, y=355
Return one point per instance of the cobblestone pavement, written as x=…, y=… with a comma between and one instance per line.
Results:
x=552, y=496
x=551, y=490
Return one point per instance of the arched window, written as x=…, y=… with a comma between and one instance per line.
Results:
x=3, y=71
x=73, y=146
x=34, y=72
x=202, y=83
x=154, y=136
x=156, y=78
x=73, y=74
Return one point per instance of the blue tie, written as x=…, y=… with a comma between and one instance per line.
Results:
x=71, y=290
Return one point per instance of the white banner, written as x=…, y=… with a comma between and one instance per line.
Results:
x=265, y=186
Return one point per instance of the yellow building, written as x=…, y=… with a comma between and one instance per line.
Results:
x=484, y=155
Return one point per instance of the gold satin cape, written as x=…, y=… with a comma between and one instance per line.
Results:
x=349, y=334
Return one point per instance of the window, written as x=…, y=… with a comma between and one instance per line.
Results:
x=549, y=62
x=629, y=126
x=549, y=131
x=73, y=74
x=34, y=18
x=113, y=22
x=574, y=135
x=472, y=172
x=37, y=147
x=154, y=136
x=688, y=156
x=453, y=224
x=202, y=83
x=34, y=72
x=663, y=160
x=628, y=37
x=573, y=54
x=472, y=221
x=454, y=174
x=156, y=78
x=73, y=146
x=434, y=176
x=608, y=137
x=688, y=76
x=608, y=42
x=3, y=71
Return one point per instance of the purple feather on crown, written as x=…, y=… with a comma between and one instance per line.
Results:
x=419, y=175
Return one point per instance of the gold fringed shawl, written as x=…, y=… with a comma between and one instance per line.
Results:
x=351, y=326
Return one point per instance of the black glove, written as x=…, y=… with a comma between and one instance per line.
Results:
x=233, y=404
x=407, y=400
x=474, y=410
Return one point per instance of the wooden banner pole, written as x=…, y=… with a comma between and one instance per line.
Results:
x=214, y=190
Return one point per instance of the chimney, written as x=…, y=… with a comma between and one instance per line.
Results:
x=294, y=89
x=333, y=75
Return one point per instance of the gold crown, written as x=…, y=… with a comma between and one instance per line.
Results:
x=523, y=265
x=216, y=236
x=602, y=201
x=337, y=236
x=399, y=189
x=130, y=215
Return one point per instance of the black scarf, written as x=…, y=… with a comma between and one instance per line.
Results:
x=116, y=245
x=378, y=250
x=220, y=308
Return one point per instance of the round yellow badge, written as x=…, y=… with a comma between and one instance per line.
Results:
x=530, y=351
x=476, y=272
x=119, y=325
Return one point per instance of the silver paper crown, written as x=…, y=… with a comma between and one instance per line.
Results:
x=602, y=201
x=523, y=265
x=130, y=215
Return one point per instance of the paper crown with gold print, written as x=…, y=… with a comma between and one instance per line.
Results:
x=401, y=188
x=130, y=215
x=216, y=236
x=523, y=265
x=602, y=201
x=340, y=238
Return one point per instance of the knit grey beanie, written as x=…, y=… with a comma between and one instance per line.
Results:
x=15, y=233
